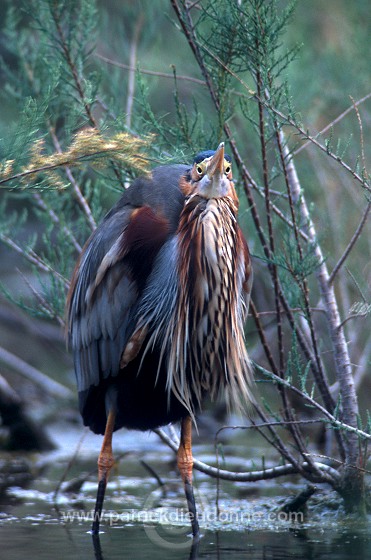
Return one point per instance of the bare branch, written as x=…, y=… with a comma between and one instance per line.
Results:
x=253, y=476
x=342, y=359
x=48, y=385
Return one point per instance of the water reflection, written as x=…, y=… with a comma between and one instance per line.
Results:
x=193, y=548
x=140, y=522
x=40, y=541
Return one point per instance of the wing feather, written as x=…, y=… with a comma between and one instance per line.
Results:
x=112, y=271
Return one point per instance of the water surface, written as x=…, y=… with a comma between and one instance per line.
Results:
x=144, y=520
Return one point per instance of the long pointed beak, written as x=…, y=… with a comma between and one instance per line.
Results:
x=216, y=164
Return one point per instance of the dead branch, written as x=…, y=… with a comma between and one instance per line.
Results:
x=342, y=359
x=48, y=385
x=254, y=476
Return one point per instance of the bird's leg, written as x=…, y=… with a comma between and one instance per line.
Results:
x=105, y=464
x=185, y=466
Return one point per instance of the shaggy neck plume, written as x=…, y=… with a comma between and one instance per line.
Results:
x=209, y=353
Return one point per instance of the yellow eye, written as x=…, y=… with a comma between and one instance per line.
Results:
x=199, y=169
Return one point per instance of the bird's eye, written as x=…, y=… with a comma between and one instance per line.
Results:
x=227, y=169
x=199, y=169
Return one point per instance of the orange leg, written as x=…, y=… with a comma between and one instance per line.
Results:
x=105, y=464
x=185, y=466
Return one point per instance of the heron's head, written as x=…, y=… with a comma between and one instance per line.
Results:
x=211, y=174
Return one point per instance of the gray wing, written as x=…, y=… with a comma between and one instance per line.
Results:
x=111, y=273
x=100, y=304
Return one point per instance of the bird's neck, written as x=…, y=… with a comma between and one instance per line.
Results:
x=207, y=262
x=207, y=328
x=207, y=236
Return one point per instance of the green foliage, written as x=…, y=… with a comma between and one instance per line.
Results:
x=56, y=140
x=82, y=127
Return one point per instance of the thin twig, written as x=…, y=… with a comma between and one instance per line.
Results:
x=132, y=68
x=334, y=421
x=33, y=258
x=281, y=215
x=332, y=123
x=363, y=221
x=276, y=440
x=76, y=189
x=362, y=140
x=350, y=317
x=55, y=219
x=44, y=304
x=271, y=423
x=262, y=336
x=292, y=309
x=69, y=465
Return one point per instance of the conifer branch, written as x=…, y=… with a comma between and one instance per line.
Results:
x=88, y=145
x=285, y=119
x=77, y=80
x=44, y=305
x=72, y=66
